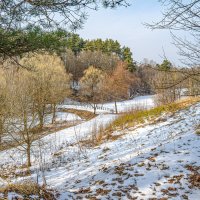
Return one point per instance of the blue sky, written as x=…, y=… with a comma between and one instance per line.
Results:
x=127, y=26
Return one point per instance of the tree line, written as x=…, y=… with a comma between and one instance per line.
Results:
x=109, y=47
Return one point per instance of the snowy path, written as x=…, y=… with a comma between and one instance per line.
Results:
x=61, y=117
x=122, y=106
x=51, y=143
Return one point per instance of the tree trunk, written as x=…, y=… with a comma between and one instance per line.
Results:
x=28, y=153
x=94, y=109
x=41, y=120
x=44, y=179
x=1, y=130
x=54, y=114
x=41, y=116
x=116, y=108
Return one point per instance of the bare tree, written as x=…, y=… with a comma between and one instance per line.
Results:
x=91, y=84
x=117, y=84
x=165, y=94
x=21, y=122
x=59, y=87
x=51, y=83
x=3, y=104
x=76, y=65
x=146, y=75
x=98, y=59
x=184, y=16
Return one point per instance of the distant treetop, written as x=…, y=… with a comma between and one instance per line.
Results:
x=108, y=46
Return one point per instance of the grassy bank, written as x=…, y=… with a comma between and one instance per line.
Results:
x=135, y=117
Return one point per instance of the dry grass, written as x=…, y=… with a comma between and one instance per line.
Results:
x=194, y=180
x=27, y=189
x=129, y=119
x=198, y=130
x=194, y=177
x=98, y=136
x=83, y=114
x=136, y=117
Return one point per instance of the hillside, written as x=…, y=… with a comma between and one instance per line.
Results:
x=157, y=161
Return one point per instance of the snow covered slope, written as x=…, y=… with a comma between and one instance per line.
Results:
x=151, y=162
x=122, y=106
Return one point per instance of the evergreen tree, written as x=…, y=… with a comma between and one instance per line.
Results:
x=127, y=57
x=166, y=65
x=75, y=43
x=108, y=46
x=30, y=39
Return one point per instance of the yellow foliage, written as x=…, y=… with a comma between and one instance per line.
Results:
x=92, y=77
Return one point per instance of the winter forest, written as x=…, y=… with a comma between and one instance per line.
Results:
x=83, y=118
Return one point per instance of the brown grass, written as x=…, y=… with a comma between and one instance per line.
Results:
x=83, y=114
x=198, y=130
x=194, y=180
x=136, y=117
x=27, y=189
x=194, y=177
